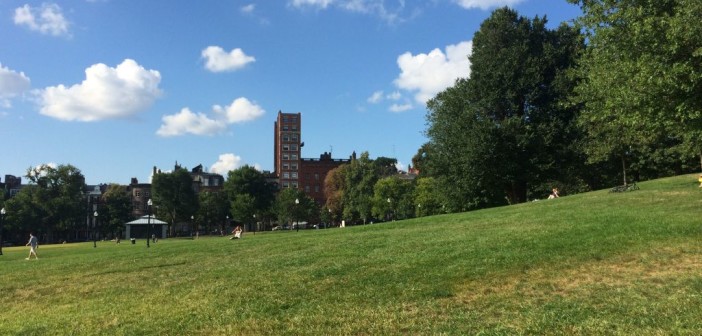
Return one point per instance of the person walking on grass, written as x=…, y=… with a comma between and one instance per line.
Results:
x=33, y=245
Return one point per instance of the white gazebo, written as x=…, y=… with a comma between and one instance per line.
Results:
x=138, y=228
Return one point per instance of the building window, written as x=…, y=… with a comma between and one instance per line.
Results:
x=137, y=193
x=294, y=175
x=294, y=137
x=294, y=156
x=286, y=137
x=286, y=157
x=286, y=147
x=286, y=185
x=294, y=185
x=316, y=176
x=286, y=175
x=307, y=188
x=316, y=188
x=294, y=166
x=293, y=148
x=285, y=127
x=294, y=128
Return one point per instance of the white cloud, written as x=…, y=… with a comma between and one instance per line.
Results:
x=106, y=93
x=47, y=19
x=248, y=9
x=400, y=166
x=485, y=4
x=311, y=3
x=370, y=7
x=394, y=96
x=218, y=60
x=12, y=84
x=226, y=163
x=400, y=107
x=428, y=74
x=241, y=110
x=376, y=97
x=187, y=122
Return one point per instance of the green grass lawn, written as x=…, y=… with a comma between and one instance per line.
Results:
x=595, y=263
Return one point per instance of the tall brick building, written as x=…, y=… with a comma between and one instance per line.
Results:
x=293, y=171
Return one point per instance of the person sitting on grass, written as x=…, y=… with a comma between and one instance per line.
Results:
x=236, y=232
x=554, y=194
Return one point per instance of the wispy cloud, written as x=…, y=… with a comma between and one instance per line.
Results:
x=390, y=14
x=12, y=84
x=485, y=4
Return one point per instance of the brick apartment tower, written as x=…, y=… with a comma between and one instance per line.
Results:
x=287, y=149
x=293, y=171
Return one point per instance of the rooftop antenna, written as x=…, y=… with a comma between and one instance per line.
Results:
x=330, y=149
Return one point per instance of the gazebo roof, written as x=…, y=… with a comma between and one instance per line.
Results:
x=145, y=220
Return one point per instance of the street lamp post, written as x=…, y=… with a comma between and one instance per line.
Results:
x=192, y=226
x=297, y=202
x=2, y=222
x=390, y=207
x=255, y=223
x=149, y=203
x=95, y=215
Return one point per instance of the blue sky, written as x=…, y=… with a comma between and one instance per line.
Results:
x=115, y=87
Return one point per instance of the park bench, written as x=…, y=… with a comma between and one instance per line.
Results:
x=626, y=187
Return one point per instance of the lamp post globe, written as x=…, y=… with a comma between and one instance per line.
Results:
x=2, y=222
x=297, y=225
x=95, y=215
x=149, y=203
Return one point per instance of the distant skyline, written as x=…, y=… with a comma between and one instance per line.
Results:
x=118, y=87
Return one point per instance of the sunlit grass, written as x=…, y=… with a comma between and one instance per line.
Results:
x=596, y=263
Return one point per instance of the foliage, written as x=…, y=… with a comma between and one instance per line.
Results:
x=360, y=178
x=642, y=79
x=174, y=197
x=334, y=188
x=51, y=205
x=393, y=198
x=504, y=129
x=214, y=208
x=247, y=180
x=293, y=205
x=116, y=209
x=427, y=197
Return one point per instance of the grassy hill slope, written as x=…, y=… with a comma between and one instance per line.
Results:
x=594, y=263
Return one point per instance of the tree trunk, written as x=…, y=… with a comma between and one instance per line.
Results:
x=624, y=168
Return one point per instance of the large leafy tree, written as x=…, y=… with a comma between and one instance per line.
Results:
x=174, y=196
x=213, y=210
x=294, y=206
x=360, y=178
x=393, y=198
x=334, y=187
x=249, y=191
x=116, y=209
x=59, y=199
x=428, y=197
x=500, y=132
x=642, y=78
